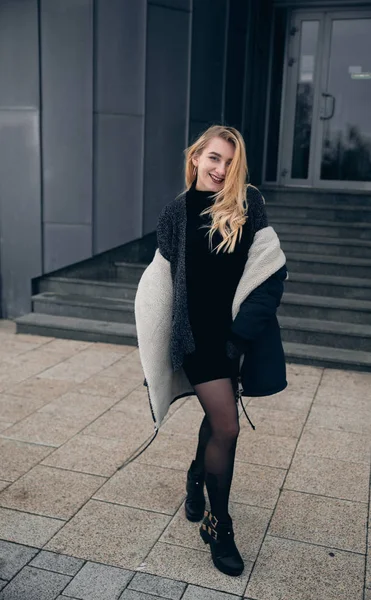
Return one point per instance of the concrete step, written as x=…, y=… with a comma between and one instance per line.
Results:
x=299, y=196
x=292, y=242
x=323, y=356
x=324, y=212
x=328, y=285
x=329, y=265
x=327, y=308
x=129, y=272
x=326, y=333
x=88, y=287
x=351, y=230
x=83, y=307
x=77, y=329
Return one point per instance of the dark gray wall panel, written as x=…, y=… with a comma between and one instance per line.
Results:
x=208, y=39
x=166, y=109
x=118, y=180
x=65, y=245
x=177, y=4
x=19, y=56
x=67, y=56
x=20, y=208
x=120, y=31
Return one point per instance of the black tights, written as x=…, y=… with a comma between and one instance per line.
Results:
x=217, y=442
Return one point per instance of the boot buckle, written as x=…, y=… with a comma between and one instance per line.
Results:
x=212, y=533
x=213, y=520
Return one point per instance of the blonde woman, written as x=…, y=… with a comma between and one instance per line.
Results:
x=206, y=319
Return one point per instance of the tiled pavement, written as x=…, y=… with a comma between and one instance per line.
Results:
x=72, y=526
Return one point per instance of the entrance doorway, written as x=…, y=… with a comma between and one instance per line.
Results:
x=325, y=134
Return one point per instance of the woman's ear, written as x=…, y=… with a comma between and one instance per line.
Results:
x=195, y=161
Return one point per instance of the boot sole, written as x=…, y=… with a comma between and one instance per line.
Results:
x=205, y=537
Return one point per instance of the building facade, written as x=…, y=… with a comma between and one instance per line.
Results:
x=99, y=98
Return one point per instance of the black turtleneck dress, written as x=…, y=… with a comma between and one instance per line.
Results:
x=212, y=281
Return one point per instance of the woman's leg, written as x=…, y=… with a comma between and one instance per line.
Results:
x=218, y=440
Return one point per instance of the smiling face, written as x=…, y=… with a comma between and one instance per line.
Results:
x=212, y=165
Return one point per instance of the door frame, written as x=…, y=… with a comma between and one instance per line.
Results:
x=324, y=15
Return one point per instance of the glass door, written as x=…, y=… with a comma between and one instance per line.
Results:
x=326, y=124
x=343, y=146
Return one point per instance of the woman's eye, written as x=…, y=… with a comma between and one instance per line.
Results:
x=213, y=158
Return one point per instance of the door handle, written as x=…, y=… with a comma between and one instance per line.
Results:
x=325, y=95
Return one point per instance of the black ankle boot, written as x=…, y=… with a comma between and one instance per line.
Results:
x=224, y=552
x=195, y=501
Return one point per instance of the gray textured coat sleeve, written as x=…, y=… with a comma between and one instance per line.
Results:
x=165, y=232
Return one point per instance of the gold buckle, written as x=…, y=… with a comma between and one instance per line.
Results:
x=212, y=533
x=213, y=520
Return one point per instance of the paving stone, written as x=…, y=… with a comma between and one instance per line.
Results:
x=120, y=348
x=110, y=534
x=14, y=408
x=5, y=425
x=294, y=570
x=367, y=594
x=43, y=428
x=23, y=528
x=135, y=403
x=114, y=387
x=186, y=423
x=83, y=408
x=2, y=584
x=59, y=563
x=4, y=484
x=34, y=584
x=69, y=346
x=329, y=477
x=171, y=450
x=264, y=449
x=128, y=367
x=332, y=417
x=256, y=485
x=122, y=426
x=98, y=582
x=43, y=389
x=160, y=586
x=250, y=525
x=18, y=457
x=341, y=445
x=13, y=558
x=133, y=595
x=192, y=566
x=195, y=592
x=277, y=422
x=92, y=454
x=327, y=521
x=147, y=487
x=50, y=492
x=289, y=400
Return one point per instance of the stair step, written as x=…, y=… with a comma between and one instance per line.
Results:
x=315, y=332
x=83, y=307
x=337, y=214
x=330, y=309
x=88, y=287
x=329, y=265
x=86, y=330
x=297, y=196
x=335, y=286
x=129, y=272
x=323, y=356
x=322, y=228
x=292, y=242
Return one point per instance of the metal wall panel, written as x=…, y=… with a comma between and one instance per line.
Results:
x=20, y=214
x=118, y=180
x=176, y=4
x=19, y=59
x=120, y=31
x=66, y=61
x=208, y=54
x=20, y=206
x=65, y=245
x=166, y=109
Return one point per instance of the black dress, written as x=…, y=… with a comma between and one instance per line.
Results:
x=212, y=281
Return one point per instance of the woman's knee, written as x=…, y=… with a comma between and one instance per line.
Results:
x=227, y=431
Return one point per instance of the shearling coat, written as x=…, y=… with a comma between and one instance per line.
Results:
x=163, y=330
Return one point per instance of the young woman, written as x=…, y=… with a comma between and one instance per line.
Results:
x=206, y=319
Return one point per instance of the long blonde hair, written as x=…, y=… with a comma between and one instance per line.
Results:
x=229, y=209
